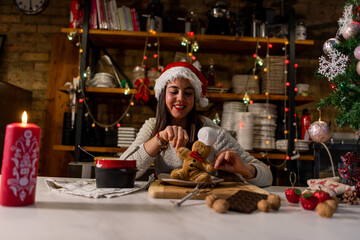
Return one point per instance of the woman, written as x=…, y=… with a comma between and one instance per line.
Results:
x=176, y=125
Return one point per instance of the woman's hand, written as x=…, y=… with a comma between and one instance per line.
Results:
x=175, y=135
x=230, y=161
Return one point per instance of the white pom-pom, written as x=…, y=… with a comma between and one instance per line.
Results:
x=203, y=102
x=207, y=135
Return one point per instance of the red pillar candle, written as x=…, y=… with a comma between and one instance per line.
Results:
x=20, y=163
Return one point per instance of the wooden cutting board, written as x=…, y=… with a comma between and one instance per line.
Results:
x=222, y=190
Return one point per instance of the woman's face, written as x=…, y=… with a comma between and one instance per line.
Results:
x=179, y=98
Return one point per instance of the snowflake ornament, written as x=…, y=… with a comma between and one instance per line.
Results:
x=334, y=67
x=345, y=19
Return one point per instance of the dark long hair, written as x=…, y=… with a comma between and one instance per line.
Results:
x=163, y=119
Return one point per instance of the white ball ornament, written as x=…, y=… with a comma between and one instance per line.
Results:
x=357, y=53
x=319, y=131
x=358, y=67
x=351, y=29
x=329, y=45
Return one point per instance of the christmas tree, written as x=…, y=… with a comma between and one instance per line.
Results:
x=341, y=66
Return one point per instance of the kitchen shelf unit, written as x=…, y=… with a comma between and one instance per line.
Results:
x=64, y=65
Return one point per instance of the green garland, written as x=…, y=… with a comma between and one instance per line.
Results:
x=346, y=87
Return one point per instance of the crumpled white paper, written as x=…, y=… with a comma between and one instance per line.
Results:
x=87, y=188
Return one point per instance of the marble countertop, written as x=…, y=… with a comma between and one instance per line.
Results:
x=138, y=216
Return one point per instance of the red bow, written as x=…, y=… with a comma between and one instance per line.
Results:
x=194, y=154
x=142, y=89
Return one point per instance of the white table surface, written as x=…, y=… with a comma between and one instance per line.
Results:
x=138, y=216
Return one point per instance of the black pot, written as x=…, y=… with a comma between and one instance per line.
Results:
x=115, y=177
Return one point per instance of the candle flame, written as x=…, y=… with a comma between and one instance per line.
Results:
x=24, y=118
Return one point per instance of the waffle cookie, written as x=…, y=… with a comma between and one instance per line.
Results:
x=245, y=201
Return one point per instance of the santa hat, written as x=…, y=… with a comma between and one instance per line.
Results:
x=183, y=70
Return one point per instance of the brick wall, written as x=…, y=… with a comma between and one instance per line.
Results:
x=24, y=60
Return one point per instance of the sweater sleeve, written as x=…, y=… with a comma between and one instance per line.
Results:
x=225, y=141
x=137, y=150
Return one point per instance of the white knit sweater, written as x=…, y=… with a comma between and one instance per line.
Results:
x=167, y=160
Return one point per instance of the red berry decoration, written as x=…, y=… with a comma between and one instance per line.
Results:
x=322, y=196
x=292, y=195
x=308, y=201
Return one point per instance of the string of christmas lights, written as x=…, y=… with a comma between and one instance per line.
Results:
x=86, y=75
x=156, y=44
x=188, y=43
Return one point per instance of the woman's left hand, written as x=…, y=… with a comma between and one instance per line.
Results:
x=230, y=161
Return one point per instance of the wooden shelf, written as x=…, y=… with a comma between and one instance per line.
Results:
x=215, y=97
x=279, y=156
x=171, y=41
x=89, y=149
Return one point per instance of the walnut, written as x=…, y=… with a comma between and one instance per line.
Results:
x=210, y=199
x=263, y=205
x=220, y=205
x=332, y=203
x=336, y=199
x=324, y=210
x=274, y=201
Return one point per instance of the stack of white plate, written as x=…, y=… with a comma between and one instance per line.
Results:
x=101, y=79
x=229, y=109
x=265, y=116
x=126, y=136
x=300, y=145
x=243, y=125
x=245, y=83
x=274, y=78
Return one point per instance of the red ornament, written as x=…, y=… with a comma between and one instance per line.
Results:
x=305, y=124
x=308, y=201
x=142, y=89
x=292, y=195
x=322, y=196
